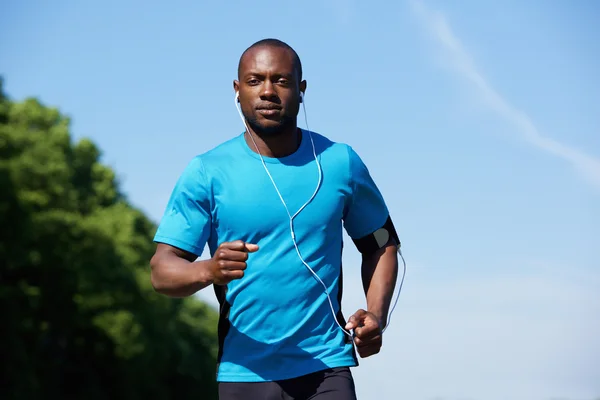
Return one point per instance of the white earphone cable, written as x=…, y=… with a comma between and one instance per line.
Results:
x=291, y=217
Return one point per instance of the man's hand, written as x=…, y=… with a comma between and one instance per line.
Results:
x=367, y=331
x=229, y=261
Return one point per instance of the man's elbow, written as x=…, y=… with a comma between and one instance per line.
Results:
x=156, y=278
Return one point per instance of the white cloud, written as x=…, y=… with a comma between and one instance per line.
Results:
x=459, y=58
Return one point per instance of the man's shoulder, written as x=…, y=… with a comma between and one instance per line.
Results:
x=219, y=154
x=325, y=143
x=340, y=153
x=229, y=146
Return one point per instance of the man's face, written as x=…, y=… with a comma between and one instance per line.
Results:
x=269, y=89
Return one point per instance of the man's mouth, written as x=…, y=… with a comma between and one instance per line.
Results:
x=269, y=109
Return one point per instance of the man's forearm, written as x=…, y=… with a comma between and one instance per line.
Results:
x=379, y=275
x=177, y=277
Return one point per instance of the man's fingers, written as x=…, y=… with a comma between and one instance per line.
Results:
x=230, y=260
x=227, y=265
x=368, y=330
x=360, y=342
x=232, y=255
x=240, y=245
x=227, y=275
x=356, y=319
x=233, y=274
x=366, y=348
x=368, y=337
x=366, y=333
x=368, y=351
x=251, y=247
x=352, y=323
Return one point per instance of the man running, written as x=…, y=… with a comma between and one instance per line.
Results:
x=272, y=203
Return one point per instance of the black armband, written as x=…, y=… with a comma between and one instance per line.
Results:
x=378, y=239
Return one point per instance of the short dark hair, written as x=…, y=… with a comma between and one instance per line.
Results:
x=270, y=42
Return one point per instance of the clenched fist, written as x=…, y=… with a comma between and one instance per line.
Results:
x=367, y=331
x=229, y=261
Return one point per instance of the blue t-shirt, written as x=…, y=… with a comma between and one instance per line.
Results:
x=276, y=322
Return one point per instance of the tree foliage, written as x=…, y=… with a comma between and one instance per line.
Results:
x=80, y=319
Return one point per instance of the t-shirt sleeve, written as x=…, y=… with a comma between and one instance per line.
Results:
x=186, y=222
x=366, y=210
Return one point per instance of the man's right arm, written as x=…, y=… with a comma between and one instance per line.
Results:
x=176, y=274
x=182, y=234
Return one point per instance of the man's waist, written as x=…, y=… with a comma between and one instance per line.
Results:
x=243, y=366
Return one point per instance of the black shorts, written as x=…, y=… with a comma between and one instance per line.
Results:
x=330, y=384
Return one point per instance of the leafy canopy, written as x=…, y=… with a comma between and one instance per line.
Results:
x=80, y=317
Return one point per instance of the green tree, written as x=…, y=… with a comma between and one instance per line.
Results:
x=80, y=319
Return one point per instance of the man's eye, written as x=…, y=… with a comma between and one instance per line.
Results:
x=283, y=81
x=253, y=82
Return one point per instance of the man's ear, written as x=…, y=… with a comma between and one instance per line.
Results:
x=303, y=86
x=236, y=85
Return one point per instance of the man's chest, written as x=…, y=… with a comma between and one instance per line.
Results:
x=250, y=200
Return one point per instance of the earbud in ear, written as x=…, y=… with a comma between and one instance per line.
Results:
x=237, y=96
x=301, y=97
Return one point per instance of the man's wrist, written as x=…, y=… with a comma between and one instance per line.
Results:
x=204, y=276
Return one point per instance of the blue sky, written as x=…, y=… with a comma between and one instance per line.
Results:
x=479, y=121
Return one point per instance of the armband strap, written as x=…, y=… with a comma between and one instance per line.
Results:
x=378, y=239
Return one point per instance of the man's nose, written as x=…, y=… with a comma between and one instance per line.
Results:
x=268, y=90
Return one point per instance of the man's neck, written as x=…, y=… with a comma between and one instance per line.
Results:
x=277, y=146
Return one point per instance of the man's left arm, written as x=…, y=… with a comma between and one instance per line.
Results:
x=368, y=223
x=379, y=272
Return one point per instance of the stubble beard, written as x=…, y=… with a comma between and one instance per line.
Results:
x=266, y=132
